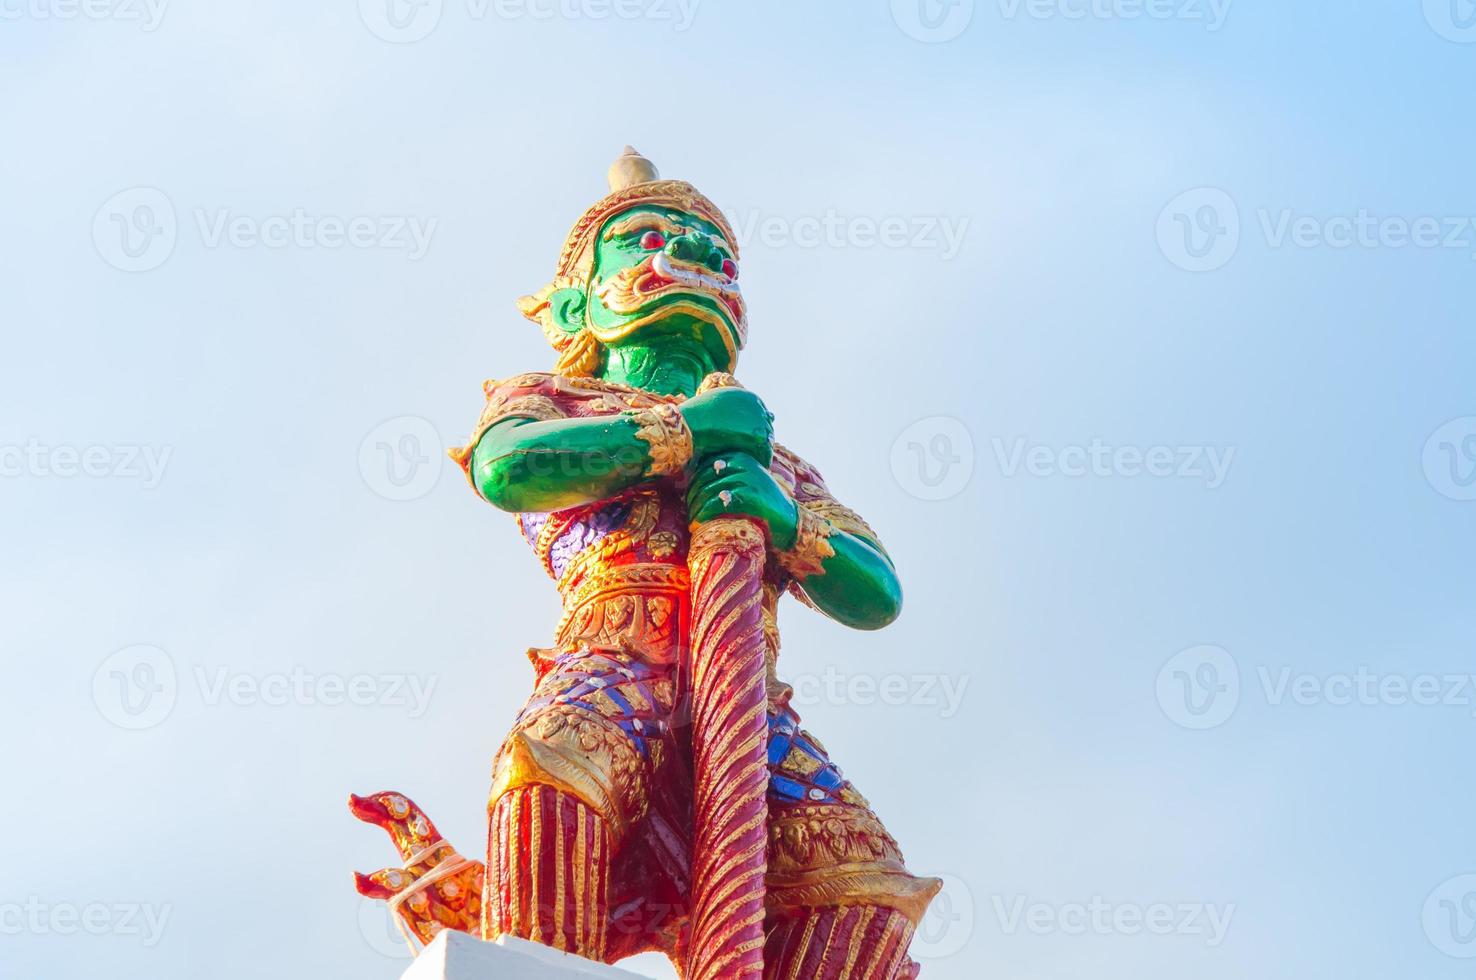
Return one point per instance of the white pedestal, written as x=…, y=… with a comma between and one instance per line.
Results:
x=457, y=956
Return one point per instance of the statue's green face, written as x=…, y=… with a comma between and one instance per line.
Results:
x=661, y=270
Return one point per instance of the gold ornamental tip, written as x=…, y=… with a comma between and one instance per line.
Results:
x=629, y=169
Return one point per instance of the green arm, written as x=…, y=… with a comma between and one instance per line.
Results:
x=522, y=465
x=525, y=465
x=859, y=588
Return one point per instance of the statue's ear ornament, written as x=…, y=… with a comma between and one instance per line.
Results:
x=559, y=309
x=539, y=308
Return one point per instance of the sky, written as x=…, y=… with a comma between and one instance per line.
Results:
x=1139, y=330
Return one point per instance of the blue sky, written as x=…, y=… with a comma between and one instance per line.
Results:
x=1142, y=340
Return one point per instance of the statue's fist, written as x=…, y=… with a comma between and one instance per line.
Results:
x=730, y=420
x=736, y=485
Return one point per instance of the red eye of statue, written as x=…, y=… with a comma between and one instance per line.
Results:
x=652, y=240
x=730, y=268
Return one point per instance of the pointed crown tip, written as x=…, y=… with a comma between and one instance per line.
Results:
x=631, y=168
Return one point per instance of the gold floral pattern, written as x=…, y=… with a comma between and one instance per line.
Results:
x=812, y=547
x=669, y=437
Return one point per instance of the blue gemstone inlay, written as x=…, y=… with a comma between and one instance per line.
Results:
x=778, y=749
x=619, y=700
x=829, y=778
x=786, y=787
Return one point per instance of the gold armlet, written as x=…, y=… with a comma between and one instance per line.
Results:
x=663, y=427
x=846, y=520
x=811, y=546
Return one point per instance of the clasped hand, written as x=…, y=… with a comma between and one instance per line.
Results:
x=733, y=444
